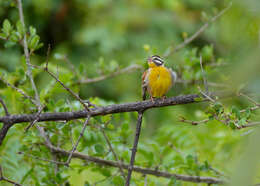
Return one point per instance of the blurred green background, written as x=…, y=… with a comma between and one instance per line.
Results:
x=101, y=36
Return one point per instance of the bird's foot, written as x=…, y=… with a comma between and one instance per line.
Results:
x=152, y=99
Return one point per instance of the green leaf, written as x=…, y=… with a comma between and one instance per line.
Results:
x=3, y=35
x=33, y=43
x=7, y=27
x=198, y=99
x=235, y=111
x=118, y=180
x=9, y=44
x=32, y=31
x=20, y=28
x=99, y=149
x=232, y=125
x=15, y=37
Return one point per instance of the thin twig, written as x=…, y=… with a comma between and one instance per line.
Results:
x=42, y=159
x=128, y=69
x=113, y=151
x=2, y=178
x=134, y=149
x=36, y=119
x=77, y=142
x=27, y=55
x=204, y=76
x=5, y=107
x=19, y=90
x=206, y=95
x=63, y=85
x=170, y=51
x=182, y=119
x=249, y=98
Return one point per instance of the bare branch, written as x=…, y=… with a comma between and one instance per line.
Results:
x=42, y=159
x=19, y=90
x=5, y=107
x=134, y=149
x=77, y=142
x=182, y=119
x=170, y=51
x=195, y=179
x=111, y=109
x=65, y=87
x=129, y=69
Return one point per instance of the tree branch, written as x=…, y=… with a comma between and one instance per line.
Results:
x=113, y=151
x=77, y=142
x=134, y=149
x=97, y=111
x=111, y=109
x=129, y=69
x=196, y=179
x=170, y=51
x=62, y=84
x=27, y=55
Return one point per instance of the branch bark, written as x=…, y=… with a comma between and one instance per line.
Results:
x=111, y=109
x=196, y=179
x=134, y=149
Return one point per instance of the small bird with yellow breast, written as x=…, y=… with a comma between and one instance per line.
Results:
x=158, y=79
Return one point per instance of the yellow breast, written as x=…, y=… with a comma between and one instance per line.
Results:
x=159, y=81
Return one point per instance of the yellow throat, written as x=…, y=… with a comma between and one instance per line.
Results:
x=160, y=80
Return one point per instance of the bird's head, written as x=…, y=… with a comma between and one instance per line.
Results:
x=155, y=61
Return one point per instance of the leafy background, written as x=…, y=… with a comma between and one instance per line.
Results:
x=100, y=36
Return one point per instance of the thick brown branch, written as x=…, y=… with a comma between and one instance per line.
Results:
x=111, y=109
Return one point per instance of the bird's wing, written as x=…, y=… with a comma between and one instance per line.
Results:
x=144, y=84
x=174, y=76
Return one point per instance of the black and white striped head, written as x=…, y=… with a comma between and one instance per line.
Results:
x=155, y=60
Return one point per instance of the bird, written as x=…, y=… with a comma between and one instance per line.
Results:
x=157, y=79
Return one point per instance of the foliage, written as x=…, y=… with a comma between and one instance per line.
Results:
x=95, y=38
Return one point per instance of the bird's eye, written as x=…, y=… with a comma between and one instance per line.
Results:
x=157, y=60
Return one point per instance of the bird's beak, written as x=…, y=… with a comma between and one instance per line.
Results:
x=149, y=60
